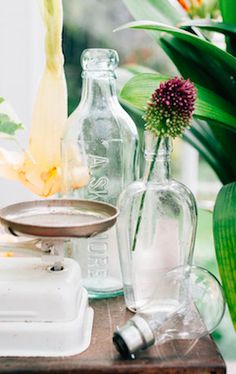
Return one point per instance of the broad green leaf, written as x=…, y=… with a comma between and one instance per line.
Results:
x=1, y=100
x=126, y=72
x=228, y=11
x=138, y=91
x=188, y=61
x=210, y=106
x=229, y=16
x=228, y=61
x=8, y=126
x=224, y=228
x=201, y=68
x=210, y=25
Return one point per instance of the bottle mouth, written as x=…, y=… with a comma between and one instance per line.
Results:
x=164, y=150
x=99, y=59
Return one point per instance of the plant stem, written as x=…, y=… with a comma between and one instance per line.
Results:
x=147, y=179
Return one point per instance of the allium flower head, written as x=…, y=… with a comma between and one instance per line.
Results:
x=170, y=109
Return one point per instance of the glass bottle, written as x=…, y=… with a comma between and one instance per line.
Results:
x=163, y=237
x=109, y=138
x=197, y=310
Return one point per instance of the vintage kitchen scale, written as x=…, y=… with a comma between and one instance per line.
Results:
x=44, y=309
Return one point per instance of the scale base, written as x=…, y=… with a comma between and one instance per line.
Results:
x=47, y=339
x=42, y=313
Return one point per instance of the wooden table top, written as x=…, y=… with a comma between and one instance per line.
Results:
x=101, y=357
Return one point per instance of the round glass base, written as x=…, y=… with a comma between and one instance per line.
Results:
x=101, y=288
x=104, y=295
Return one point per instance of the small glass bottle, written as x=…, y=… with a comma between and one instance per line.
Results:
x=156, y=227
x=109, y=138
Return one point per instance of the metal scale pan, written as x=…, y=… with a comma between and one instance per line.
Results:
x=58, y=218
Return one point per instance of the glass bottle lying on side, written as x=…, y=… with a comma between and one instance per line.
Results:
x=156, y=226
x=197, y=308
x=109, y=139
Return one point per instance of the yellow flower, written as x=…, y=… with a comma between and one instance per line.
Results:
x=40, y=170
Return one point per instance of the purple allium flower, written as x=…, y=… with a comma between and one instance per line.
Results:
x=170, y=109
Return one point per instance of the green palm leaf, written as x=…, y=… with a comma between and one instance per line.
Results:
x=228, y=11
x=195, y=65
x=210, y=25
x=224, y=227
x=229, y=16
x=225, y=59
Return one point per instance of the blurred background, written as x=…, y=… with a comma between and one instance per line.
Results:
x=90, y=24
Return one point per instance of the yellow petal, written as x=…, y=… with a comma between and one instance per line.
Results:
x=48, y=121
x=53, y=19
x=41, y=169
x=39, y=180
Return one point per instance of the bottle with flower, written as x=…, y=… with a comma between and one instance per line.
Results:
x=158, y=216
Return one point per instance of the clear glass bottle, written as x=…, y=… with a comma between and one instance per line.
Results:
x=166, y=227
x=110, y=140
x=198, y=307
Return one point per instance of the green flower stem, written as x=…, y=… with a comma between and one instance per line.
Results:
x=147, y=179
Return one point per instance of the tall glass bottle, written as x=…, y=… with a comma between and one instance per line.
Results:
x=110, y=141
x=163, y=237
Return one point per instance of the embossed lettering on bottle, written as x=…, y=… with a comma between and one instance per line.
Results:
x=98, y=189
x=98, y=185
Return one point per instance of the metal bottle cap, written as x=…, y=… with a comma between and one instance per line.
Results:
x=136, y=334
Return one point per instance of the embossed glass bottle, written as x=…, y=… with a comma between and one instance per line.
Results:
x=110, y=142
x=166, y=230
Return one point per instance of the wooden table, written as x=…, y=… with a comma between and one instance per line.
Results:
x=101, y=356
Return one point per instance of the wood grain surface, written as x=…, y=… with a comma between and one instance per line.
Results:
x=175, y=357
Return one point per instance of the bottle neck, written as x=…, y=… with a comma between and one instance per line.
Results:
x=157, y=157
x=99, y=88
